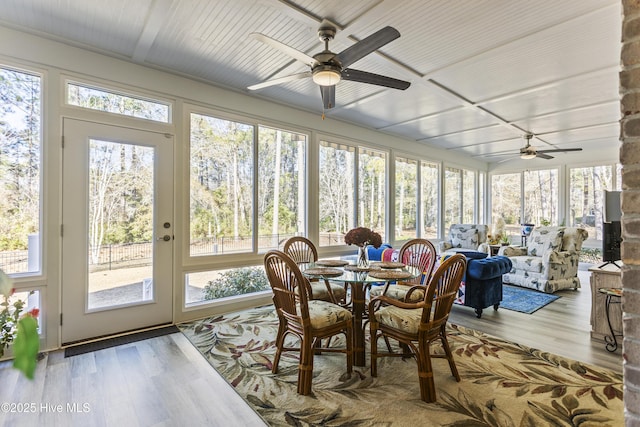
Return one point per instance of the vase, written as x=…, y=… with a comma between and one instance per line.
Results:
x=363, y=257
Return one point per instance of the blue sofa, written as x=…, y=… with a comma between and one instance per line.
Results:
x=482, y=285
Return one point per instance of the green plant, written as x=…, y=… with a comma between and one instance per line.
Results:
x=590, y=255
x=238, y=281
x=18, y=328
x=545, y=222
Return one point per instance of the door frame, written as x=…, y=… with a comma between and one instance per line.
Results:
x=78, y=323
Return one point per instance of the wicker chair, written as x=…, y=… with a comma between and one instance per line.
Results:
x=303, y=251
x=418, y=253
x=417, y=325
x=309, y=320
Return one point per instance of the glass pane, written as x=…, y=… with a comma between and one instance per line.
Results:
x=221, y=186
x=120, y=223
x=481, y=204
x=541, y=197
x=430, y=177
x=506, y=201
x=337, y=192
x=452, y=197
x=586, y=186
x=468, y=196
x=20, y=144
x=372, y=190
x=112, y=102
x=281, y=186
x=206, y=286
x=406, y=199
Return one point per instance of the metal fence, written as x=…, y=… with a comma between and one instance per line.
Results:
x=108, y=257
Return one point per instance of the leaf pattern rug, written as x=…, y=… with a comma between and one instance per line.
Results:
x=503, y=383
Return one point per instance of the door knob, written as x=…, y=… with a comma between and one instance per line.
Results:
x=166, y=238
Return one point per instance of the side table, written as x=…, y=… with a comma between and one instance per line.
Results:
x=610, y=293
x=604, y=277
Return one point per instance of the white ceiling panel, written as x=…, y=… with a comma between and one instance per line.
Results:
x=445, y=123
x=580, y=45
x=569, y=94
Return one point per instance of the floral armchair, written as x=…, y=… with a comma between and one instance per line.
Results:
x=464, y=237
x=549, y=262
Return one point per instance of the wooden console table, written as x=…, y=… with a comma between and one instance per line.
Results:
x=608, y=276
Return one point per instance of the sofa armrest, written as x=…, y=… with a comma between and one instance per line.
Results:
x=512, y=251
x=443, y=246
x=560, y=257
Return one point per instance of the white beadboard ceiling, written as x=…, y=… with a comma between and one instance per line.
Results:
x=483, y=72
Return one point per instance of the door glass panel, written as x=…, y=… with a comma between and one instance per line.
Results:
x=120, y=224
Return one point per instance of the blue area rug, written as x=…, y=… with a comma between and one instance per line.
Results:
x=524, y=300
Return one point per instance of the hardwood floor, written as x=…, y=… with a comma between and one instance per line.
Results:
x=562, y=327
x=164, y=381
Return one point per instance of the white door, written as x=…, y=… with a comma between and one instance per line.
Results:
x=117, y=229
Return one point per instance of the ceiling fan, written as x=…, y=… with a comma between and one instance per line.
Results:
x=530, y=152
x=326, y=68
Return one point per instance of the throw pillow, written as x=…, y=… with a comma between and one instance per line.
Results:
x=465, y=238
x=543, y=239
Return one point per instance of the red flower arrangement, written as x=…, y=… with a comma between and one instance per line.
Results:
x=362, y=236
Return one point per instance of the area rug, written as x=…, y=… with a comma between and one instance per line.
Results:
x=503, y=383
x=524, y=300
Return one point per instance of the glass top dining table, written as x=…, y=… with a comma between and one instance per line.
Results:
x=358, y=280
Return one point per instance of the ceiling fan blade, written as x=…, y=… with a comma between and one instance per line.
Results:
x=280, y=80
x=367, y=45
x=374, y=79
x=328, y=94
x=543, y=156
x=294, y=53
x=560, y=150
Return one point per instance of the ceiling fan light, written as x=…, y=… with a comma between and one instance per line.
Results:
x=527, y=156
x=326, y=77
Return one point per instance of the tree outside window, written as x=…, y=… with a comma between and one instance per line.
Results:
x=406, y=198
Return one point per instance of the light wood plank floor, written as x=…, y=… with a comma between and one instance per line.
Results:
x=164, y=381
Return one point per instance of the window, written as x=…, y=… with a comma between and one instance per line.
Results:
x=468, y=196
x=482, y=177
x=112, y=102
x=337, y=192
x=281, y=186
x=20, y=168
x=372, y=190
x=452, y=197
x=406, y=198
x=206, y=286
x=430, y=175
x=541, y=197
x=506, y=201
x=586, y=186
x=221, y=186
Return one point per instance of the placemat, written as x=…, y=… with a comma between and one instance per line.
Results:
x=332, y=262
x=389, y=264
x=390, y=274
x=323, y=271
x=356, y=268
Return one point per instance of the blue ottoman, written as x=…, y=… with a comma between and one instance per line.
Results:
x=483, y=284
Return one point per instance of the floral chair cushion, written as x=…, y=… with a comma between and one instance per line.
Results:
x=398, y=292
x=407, y=320
x=544, y=239
x=323, y=314
x=319, y=291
